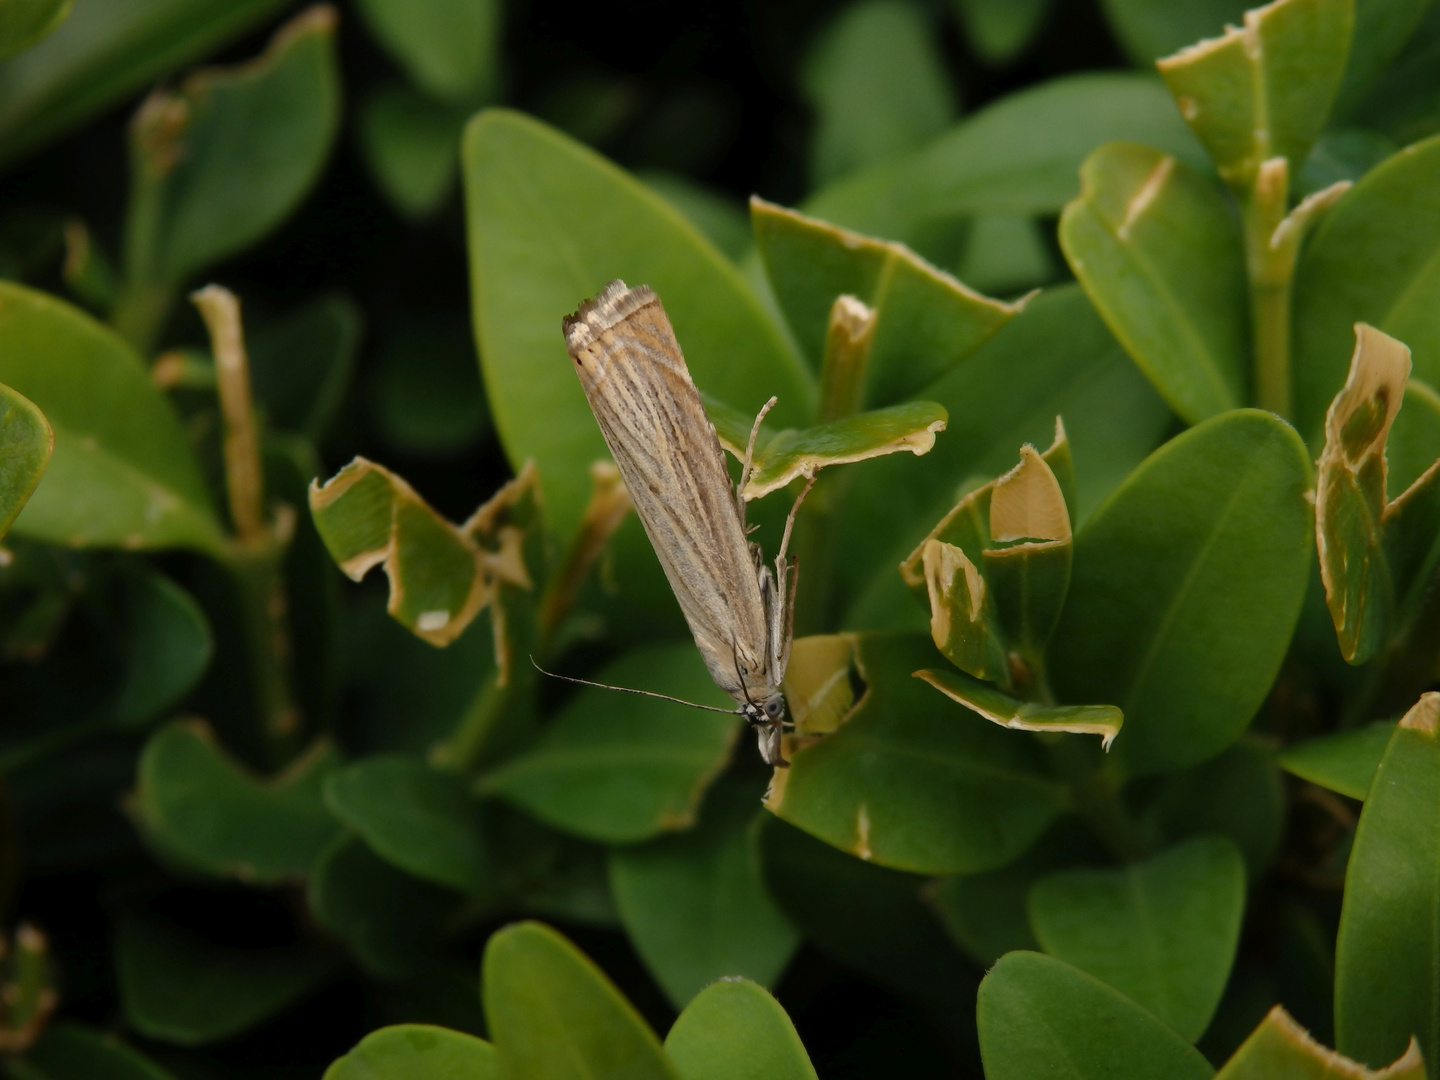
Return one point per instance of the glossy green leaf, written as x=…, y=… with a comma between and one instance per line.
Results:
x=122, y=472
x=694, y=906
x=69, y=1051
x=868, y=917
x=412, y=146
x=620, y=768
x=974, y=799
x=424, y=821
x=165, y=645
x=1387, y=956
x=104, y=52
x=1005, y=254
x=734, y=1030
x=1056, y=358
x=1039, y=1016
x=1158, y=251
x=550, y=223
x=720, y=218
x=1019, y=155
x=178, y=988
x=1399, y=99
x=1344, y=762
x=1350, y=495
x=223, y=159
x=1150, y=30
x=877, y=85
x=1372, y=260
x=925, y=321
x=1413, y=444
x=441, y=575
x=448, y=47
x=1238, y=793
x=1186, y=588
x=1163, y=931
x=198, y=804
x=27, y=441
x=999, y=30
x=392, y=923
x=1263, y=89
x=301, y=364
x=24, y=22
x=555, y=1016
x=424, y=388
x=1000, y=708
x=1281, y=1047
x=1382, y=29
x=417, y=1052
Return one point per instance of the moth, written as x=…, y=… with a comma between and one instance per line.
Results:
x=740, y=613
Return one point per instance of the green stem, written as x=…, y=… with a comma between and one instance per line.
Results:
x=1270, y=267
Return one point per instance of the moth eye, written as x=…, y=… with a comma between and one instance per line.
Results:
x=774, y=708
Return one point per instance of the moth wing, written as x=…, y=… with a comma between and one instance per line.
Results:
x=665, y=446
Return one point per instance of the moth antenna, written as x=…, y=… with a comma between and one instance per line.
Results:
x=632, y=690
x=745, y=469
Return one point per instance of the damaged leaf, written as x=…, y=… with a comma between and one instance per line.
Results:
x=1000, y=708
x=1281, y=1047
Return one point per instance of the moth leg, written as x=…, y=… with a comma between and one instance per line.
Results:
x=747, y=468
x=790, y=525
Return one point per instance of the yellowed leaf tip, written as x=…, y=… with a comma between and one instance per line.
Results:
x=1027, y=503
x=1358, y=420
x=1424, y=715
x=1279, y=1024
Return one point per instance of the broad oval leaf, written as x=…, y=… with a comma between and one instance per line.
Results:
x=1344, y=762
x=1186, y=588
x=448, y=47
x=411, y=144
x=1163, y=931
x=424, y=821
x=69, y=1051
x=620, y=768
x=417, y=1052
x=553, y=1015
x=906, y=783
x=1372, y=259
x=735, y=1029
x=165, y=645
x=122, y=472
x=27, y=441
x=1158, y=251
x=694, y=905
x=197, y=804
x=181, y=989
x=1387, y=955
x=1039, y=1016
x=550, y=223
x=1149, y=31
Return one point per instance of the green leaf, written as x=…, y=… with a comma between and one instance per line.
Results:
x=734, y=1030
x=198, y=804
x=550, y=223
x=122, y=473
x=1019, y=155
x=1387, y=957
x=424, y=821
x=27, y=441
x=1056, y=358
x=555, y=1016
x=412, y=146
x=1350, y=495
x=69, y=1051
x=417, y=1052
x=925, y=322
x=1158, y=251
x=1281, y=1047
x=182, y=989
x=424, y=389
x=1264, y=89
x=393, y=923
x=165, y=645
x=1005, y=254
x=1372, y=259
x=877, y=85
x=1039, y=1016
x=1000, y=708
x=301, y=364
x=1382, y=29
x=223, y=159
x=448, y=47
x=1186, y=588
x=104, y=52
x=694, y=906
x=720, y=218
x=24, y=22
x=441, y=575
x=1344, y=762
x=620, y=768
x=1163, y=931
x=974, y=798
x=1149, y=31
x=1414, y=441
x=1000, y=30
